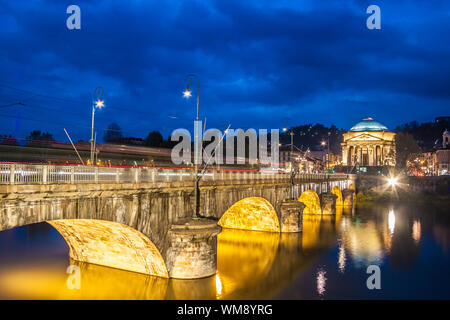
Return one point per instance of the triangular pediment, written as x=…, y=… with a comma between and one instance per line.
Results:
x=364, y=137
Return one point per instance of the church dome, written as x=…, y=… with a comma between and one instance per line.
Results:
x=369, y=124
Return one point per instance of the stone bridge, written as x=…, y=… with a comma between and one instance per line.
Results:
x=141, y=219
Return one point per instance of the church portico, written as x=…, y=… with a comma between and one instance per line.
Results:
x=369, y=143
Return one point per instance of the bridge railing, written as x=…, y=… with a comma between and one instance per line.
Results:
x=15, y=173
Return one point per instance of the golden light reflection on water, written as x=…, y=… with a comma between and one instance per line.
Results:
x=244, y=259
x=251, y=265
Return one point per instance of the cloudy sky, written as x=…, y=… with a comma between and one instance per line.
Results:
x=259, y=62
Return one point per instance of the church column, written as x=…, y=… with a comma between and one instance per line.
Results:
x=374, y=154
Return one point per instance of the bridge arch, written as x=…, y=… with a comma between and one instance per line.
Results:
x=311, y=200
x=111, y=244
x=336, y=191
x=252, y=213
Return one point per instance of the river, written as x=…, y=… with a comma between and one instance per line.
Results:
x=328, y=260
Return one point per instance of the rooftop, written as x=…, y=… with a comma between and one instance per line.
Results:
x=369, y=124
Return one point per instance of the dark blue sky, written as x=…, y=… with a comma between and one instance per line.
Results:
x=258, y=62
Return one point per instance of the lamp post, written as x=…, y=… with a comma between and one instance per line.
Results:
x=98, y=92
x=327, y=159
x=291, y=159
x=187, y=94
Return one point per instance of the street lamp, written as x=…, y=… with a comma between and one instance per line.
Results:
x=291, y=158
x=97, y=102
x=187, y=94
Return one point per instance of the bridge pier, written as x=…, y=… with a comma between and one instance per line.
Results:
x=192, y=251
x=291, y=215
x=328, y=203
x=348, y=197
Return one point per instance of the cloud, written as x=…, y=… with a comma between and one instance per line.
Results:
x=257, y=61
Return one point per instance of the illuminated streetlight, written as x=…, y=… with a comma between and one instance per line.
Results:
x=99, y=103
x=291, y=152
x=98, y=92
x=392, y=181
x=187, y=94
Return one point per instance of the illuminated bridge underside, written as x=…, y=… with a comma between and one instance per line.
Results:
x=311, y=201
x=111, y=244
x=253, y=213
x=336, y=191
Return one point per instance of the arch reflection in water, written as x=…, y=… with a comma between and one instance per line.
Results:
x=99, y=282
x=363, y=242
x=244, y=258
x=318, y=231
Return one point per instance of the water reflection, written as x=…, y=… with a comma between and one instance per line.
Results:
x=251, y=264
x=391, y=221
x=321, y=281
x=416, y=231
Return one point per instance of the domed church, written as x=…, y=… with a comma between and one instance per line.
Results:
x=368, y=143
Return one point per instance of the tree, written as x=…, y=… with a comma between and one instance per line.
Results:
x=405, y=145
x=154, y=139
x=112, y=133
x=38, y=139
x=8, y=141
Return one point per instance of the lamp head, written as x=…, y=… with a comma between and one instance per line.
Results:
x=187, y=94
x=99, y=103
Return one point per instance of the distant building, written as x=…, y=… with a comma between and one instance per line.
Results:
x=442, y=156
x=368, y=143
x=435, y=163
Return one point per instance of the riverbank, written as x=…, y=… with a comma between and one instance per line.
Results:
x=370, y=196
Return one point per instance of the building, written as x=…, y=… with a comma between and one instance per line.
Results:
x=285, y=158
x=368, y=143
x=442, y=156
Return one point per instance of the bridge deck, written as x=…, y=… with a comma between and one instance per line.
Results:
x=13, y=173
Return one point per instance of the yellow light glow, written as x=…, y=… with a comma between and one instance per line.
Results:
x=391, y=221
x=416, y=231
x=336, y=191
x=111, y=244
x=99, y=104
x=312, y=202
x=244, y=258
x=393, y=181
x=187, y=93
x=218, y=287
x=251, y=213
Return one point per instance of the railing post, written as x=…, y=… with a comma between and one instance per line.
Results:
x=44, y=174
x=72, y=174
x=96, y=174
x=153, y=175
x=12, y=173
x=117, y=175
